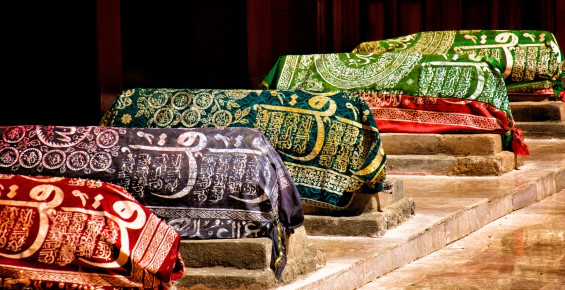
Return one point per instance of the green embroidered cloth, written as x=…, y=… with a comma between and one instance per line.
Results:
x=426, y=75
x=525, y=55
x=328, y=141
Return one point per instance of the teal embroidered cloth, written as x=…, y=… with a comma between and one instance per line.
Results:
x=328, y=141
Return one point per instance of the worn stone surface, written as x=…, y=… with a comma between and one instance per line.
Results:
x=221, y=278
x=445, y=144
x=369, y=224
x=448, y=208
x=489, y=165
x=538, y=111
x=522, y=250
x=226, y=253
x=244, y=263
x=548, y=129
x=386, y=197
x=545, y=119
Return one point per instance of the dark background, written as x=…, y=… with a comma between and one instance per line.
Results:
x=65, y=61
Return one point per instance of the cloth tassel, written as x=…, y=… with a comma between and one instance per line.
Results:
x=518, y=145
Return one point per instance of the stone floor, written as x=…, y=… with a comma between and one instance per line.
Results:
x=522, y=250
x=488, y=232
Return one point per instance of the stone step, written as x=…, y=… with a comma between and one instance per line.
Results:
x=227, y=253
x=226, y=278
x=241, y=263
x=369, y=224
x=245, y=263
x=448, y=154
x=490, y=165
x=544, y=119
x=448, y=209
x=382, y=211
x=542, y=129
x=444, y=144
x=538, y=111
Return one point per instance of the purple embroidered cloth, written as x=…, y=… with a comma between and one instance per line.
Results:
x=204, y=182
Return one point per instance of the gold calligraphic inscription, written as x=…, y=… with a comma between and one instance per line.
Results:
x=320, y=178
x=316, y=103
x=43, y=208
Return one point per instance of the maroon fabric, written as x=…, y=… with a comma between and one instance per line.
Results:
x=72, y=232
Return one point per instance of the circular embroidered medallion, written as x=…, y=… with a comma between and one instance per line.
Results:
x=14, y=134
x=77, y=160
x=8, y=157
x=53, y=159
x=100, y=161
x=181, y=100
x=30, y=157
x=107, y=139
x=189, y=118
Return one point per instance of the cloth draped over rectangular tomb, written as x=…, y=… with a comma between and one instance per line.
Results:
x=204, y=182
x=531, y=60
x=423, y=93
x=73, y=233
x=329, y=141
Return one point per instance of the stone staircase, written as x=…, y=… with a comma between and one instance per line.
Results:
x=540, y=119
x=447, y=154
x=383, y=211
x=246, y=263
x=472, y=154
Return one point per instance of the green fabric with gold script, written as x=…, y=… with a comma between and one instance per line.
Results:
x=527, y=56
x=328, y=141
x=426, y=75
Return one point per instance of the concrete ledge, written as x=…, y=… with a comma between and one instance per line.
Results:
x=538, y=111
x=494, y=165
x=542, y=129
x=369, y=224
x=445, y=144
x=360, y=203
x=237, y=263
x=227, y=253
x=449, y=208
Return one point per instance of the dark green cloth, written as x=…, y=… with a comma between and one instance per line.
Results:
x=525, y=55
x=328, y=141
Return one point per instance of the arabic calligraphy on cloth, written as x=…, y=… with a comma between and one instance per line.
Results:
x=73, y=232
x=204, y=182
x=328, y=141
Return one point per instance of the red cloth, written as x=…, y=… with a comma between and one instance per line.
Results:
x=77, y=233
x=397, y=113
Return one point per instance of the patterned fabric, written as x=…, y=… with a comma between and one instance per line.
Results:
x=526, y=56
x=399, y=83
x=328, y=141
x=204, y=182
x=72, y=233
x=435, y=115
x=447, y=76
